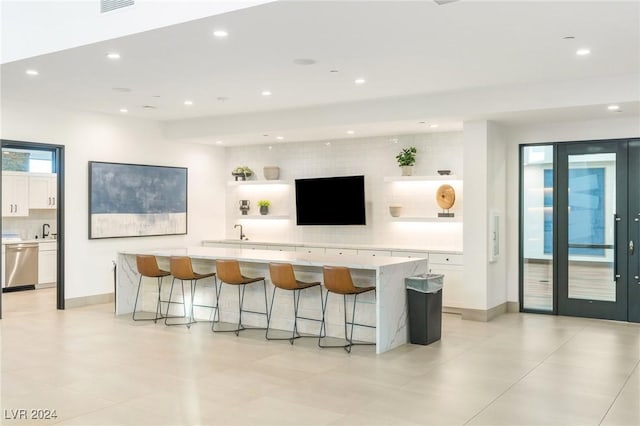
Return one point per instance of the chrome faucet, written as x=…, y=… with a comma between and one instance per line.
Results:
x=45, y=230
x=242, y=236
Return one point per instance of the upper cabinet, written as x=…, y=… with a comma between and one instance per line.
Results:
x=43, y=191
x=15, y=194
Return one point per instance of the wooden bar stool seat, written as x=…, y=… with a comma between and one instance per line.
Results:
x=148, y=267
x=283, y=277
x=228, y=272
x=182, y=269
x=337, y=279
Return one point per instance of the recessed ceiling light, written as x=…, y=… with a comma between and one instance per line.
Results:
x=219, y=142
x=121, y=89
x=280, y=138
x=568, y=38
x=433, y=126
x=334, y=71
x=583, y=52
x=148, y=107
x=270, y=147
x=113, y=55
x=613, y=107
x=266, y=93
x=124, y=110
x=222, y=98
x=32, y=72
x=188, y=102
x=421, y=122
x=394, y=140
x=265, y=135
x=360, y=81
x=350, y=132
x=220, y=33
x=327, y=143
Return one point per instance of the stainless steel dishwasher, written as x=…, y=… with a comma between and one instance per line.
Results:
x=21, y=264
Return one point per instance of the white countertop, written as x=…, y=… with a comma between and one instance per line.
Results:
x=336, y=245
x=265, y=256
x=6, y=241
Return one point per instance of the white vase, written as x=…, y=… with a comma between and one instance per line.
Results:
x=406, y=170
x=271, y=172
x=395, y=211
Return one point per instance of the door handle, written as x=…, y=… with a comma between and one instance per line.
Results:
x=616, y=219
x=631, y=247
x=637, y=275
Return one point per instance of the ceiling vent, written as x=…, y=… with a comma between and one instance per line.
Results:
x=441, y=2
x=110, y=5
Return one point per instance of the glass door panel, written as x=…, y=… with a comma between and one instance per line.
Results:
x=591, y=221
x=537, y=228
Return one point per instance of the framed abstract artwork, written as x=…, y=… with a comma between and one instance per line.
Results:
x=134, y=200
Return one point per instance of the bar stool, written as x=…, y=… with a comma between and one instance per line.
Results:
x=338, y=280
x=148, y=267
x=182, y=269
x=228, y=272
x=282, y=277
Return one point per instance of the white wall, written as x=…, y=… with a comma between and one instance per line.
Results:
x=497, y=193
x=95, y=137
x=612, y=128
x=372, y=157
x=32, y=28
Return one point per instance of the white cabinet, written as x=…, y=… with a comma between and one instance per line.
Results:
x=332, y=250
x=43, y=191
x=412, y=254
x=451, y=265
x=3, y=253
x=310, y=249
x=374, y=253
x=15, y=194
x=47, y=263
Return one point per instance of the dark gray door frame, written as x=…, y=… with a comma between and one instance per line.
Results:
x=58, y=168
x=581, y=307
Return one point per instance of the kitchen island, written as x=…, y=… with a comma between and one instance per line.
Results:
x=386, y=309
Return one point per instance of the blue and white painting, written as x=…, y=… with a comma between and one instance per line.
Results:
x=130, y=200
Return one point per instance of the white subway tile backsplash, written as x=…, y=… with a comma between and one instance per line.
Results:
x=372, y=157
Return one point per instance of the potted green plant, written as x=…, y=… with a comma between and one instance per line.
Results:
x=406, y=159
x=242, y=172
x=264, y=206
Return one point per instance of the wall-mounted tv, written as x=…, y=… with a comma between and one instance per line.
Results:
x=330, y=201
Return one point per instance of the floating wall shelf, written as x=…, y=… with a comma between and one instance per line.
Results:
x=421, y=178
x=256, y=182
x=425, y=219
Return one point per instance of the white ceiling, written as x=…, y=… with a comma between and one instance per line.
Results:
x=400, y=48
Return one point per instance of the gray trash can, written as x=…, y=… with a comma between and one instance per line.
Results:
x=424, y=297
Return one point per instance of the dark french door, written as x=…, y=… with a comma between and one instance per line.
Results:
x=597, y=205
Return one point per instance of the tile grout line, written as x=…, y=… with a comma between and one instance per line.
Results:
x=523, y=376
x=619, y=392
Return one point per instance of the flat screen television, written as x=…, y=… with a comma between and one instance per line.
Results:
x=330, y=201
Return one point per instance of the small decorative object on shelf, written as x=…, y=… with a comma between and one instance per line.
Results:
x=271, y=172
x=264, y=206
x=395, y=211
x=444, y=172
x=406, y=159
x=446, y=198
x=242, y=172
x=244, y=207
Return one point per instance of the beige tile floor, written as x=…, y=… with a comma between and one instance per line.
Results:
x=519, y=369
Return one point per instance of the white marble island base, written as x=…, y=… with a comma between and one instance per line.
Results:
x=387, y=309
